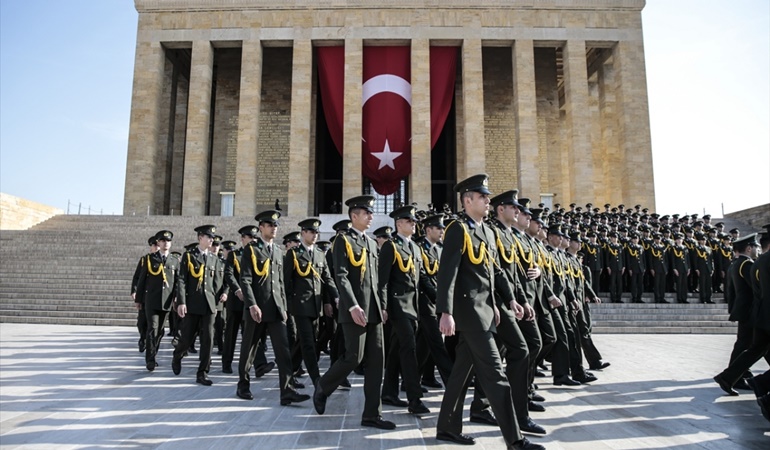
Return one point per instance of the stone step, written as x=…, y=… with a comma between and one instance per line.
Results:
x=125, y=322
x=666, y=323
x=663, y=330
x=126, y=303
x=74, y=314
x=68, y=306
x=604, y=318
x=71, y=296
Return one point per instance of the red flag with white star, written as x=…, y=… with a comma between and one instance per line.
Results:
x=387, y=117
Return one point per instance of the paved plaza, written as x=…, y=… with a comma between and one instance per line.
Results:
x=86, y=387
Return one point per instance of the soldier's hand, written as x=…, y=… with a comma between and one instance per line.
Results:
x=283, y=315
x=358, y=315
x=328, y=310
x=518, y=311
x=497, y=316
x=138, y=306
x=447, y=324
x=622, y=271
x=181, y=311
x=676, y=272
x=256, y=313
x=239, y=294
x=652, y=271
x=533, y=273
x=384, y=316
x=554, y=302
x=133, y=296
x=223, y=298
x=609, y=271
x=529, y=312
x=697, y=272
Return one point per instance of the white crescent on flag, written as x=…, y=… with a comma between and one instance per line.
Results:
x=387, y=83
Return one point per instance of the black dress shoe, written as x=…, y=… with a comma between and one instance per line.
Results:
x=417, y=407
x=543, y=366
x=296, y=384
x=424, y=389
x=524, y=444
x=192, y=349
x=227, y=369
x=457, y=438
x=291, y=396
x=260, y=371
x=345, y=384
x=299, y=372
x=394, y=401
x=539, y=373
x=151, y=365
x=359, y=370
x=204, y=380
x=535, y=397
x=142, y=345
x=599, y=365
x=529, y=426
x=319, y=400
x=244, y=394
x=764, y=406
x=176, y=366
x=742, y=385
x=585, y=378
x=432, y=384
x=484, y=417
x=565, y=380
x=536, y=407
x=753, y=385
x=725, y=385
x=378, y=422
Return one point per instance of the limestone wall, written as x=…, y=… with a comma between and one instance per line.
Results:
x=756, y=216
x=20, y=214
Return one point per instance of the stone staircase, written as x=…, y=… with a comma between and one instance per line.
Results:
x=77, y=270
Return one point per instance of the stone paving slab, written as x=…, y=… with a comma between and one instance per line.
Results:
x=75, y=387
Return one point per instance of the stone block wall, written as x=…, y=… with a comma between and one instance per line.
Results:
x=17, y=213
x=499, y=119
x=756, y=216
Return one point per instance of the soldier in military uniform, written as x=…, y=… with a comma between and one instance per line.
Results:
x=466, y=303
x=635, y=265
x=593, y=251
x=306, y=277
x=264, y=299
x=155, y=290
x=615, y=266
x=141, y=317
x=196, y=298
x=361, y=314
x=429, y=342
x=399, y=267
x=221, y=295
x=658, y=267
x=679, y=261
x=753, y=342
x=704, y=267
x=382, y=235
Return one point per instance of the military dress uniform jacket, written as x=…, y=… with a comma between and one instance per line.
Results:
x=527, y=254
x=658, y=259
x=400, y=264
x=232, y=280
x=703, y=260
x=679, y=259
x=558, y=283
x=307, y=279
x=613, y=257
x=507, y=260
x=262, y=280
x=760, y=283
x=738, y=290
x=431, y=254
x=355, y=271
x=466, y=280
x=593, y=257
x=634, y=258
x=157, y=285
x=197, y=287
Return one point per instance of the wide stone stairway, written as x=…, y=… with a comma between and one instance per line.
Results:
x=77, y=270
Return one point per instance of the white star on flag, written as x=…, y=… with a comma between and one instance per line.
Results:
x=386, y=157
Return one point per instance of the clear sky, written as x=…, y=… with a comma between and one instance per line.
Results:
x=66, y=69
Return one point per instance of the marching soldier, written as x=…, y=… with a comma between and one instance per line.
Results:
x=306, y=277
x=221, y=295
x=467, y=305
x=400, y=264
x=361, y=314
x=141, y=317
x=156, y=289
x=196, y=298
x=264, y=301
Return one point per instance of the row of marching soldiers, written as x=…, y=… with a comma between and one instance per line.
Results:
x=466, y=293
x=636, y=252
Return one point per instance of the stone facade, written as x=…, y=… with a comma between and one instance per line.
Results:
x=17, y=213
x=550, y=98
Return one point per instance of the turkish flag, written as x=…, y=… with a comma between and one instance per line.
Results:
x=387, y=117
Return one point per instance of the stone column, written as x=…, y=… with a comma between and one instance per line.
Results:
x=634, y=123
x=420, y=184
x=352, y=175
x=248, y=129
x=474, y=152
x=612, y=167
x=299, y=142
x=144, y=131
x=196, y=160
x=577, y=125
x=525, y=111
